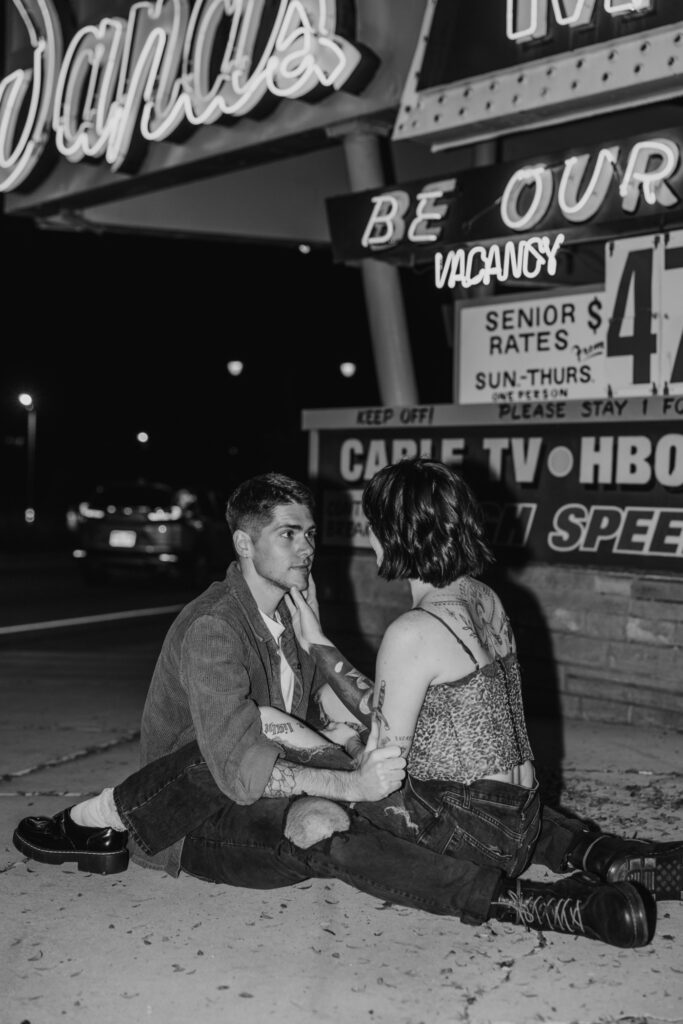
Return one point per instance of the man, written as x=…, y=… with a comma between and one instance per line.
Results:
x=231, y=772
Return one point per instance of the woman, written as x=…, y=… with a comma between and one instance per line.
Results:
x=447, y=691
x=448, y=688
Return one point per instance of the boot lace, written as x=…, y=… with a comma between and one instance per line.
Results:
x=560, y=914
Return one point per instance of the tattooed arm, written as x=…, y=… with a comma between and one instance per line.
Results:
x=403, y=675
x=394, y=699
x=339, y=724
x=333, y=671
x=289, y=732
x=292, y=734
x=379, y=773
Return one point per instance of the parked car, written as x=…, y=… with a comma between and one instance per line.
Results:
x=143, y=525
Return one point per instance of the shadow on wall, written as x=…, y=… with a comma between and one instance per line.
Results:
x=540, y=682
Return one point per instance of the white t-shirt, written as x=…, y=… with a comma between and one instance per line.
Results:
x=286, y=674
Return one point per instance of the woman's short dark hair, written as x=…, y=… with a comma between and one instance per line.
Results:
x=428, y=522
x=251, y=505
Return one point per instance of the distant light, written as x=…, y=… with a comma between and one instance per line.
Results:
x=142, y=437
x=26, y=400
x=347, y=369
x=168, y=558
x=234, y=367
x=304, y=249
x=30, y=515
x=79, y=553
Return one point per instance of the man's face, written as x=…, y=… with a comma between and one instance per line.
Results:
x=282, y=553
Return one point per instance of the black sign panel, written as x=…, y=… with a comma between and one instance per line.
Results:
x=464, y=43
x=471, y=205
x=608, y=494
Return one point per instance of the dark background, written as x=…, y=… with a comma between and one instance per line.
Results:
x=118, y=333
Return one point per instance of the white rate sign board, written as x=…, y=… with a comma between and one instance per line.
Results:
x=625, y=339
x=547, y=346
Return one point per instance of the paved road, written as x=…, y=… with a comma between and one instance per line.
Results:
x=72, y=690
x=48, y=587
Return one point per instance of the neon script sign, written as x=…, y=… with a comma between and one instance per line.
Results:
x=528, y=19
x=170, y=65
x=478, y=265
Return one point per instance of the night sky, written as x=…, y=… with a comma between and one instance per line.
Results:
x=114, y=334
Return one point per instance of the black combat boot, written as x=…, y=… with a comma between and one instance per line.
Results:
x=623, y=914
x=657, y=866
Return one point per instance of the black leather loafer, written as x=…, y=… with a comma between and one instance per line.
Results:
x=55, y=840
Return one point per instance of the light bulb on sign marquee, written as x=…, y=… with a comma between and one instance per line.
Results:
x=234, y=367
x=142, y=437
x=347, y=369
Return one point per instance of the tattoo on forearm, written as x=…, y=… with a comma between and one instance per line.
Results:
x=282, y=780
x=277, y=728
x=404, y=742
x=325, y=719
x=378, y=704
x=305, y=754
x=351, y=686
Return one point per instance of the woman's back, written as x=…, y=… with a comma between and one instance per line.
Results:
x=472, y=613
x=470, y=720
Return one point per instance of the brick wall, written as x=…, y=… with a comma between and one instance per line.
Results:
x=598, y=645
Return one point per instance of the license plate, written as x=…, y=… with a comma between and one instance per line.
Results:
x=122, y=539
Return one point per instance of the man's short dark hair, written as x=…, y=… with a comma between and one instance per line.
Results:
x=252, y=504
x=428, y=522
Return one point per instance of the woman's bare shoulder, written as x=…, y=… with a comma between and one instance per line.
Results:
x=407, y=628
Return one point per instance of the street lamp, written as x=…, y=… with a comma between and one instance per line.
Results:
x=27, y=401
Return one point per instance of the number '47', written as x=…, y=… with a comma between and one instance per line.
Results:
x=641, y=344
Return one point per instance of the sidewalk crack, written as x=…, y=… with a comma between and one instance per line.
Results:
x=95, y=748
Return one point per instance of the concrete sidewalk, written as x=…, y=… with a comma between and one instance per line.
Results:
x=141, y=947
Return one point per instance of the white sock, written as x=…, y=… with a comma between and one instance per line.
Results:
x=98, y=812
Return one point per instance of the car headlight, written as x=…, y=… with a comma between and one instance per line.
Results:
x=85, y=510
x=165, y=515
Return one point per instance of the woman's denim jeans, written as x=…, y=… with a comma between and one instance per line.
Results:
x=438, y=847
x=489, y=823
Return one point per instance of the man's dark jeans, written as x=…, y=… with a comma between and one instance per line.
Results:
x=444, y=850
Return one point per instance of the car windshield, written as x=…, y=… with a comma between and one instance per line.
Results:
x=137, y=495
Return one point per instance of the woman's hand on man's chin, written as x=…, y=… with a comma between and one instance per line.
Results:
x=305, y=617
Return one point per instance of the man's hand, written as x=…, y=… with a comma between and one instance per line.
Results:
x=381, y=770
x=304, y=612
